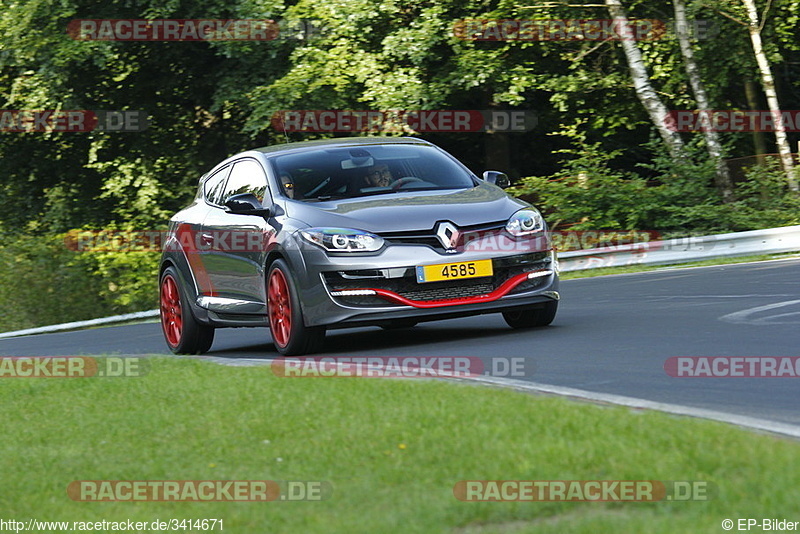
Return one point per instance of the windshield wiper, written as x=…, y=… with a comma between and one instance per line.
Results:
x=324, y=198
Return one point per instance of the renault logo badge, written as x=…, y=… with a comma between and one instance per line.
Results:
x=448, y=235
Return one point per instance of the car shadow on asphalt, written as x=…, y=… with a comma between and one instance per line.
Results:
x=377, y=341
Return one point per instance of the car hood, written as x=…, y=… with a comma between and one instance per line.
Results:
x=409, y=211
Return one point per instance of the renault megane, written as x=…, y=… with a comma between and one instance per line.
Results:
x=310, y=236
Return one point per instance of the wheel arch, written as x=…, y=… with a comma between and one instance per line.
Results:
x=186, y=279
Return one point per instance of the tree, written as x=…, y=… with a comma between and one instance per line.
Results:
x=713, y=145
x=192, y=92
x=768, y=84
x=656, y=109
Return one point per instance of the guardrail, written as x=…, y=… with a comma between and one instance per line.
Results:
x=77, y=325
x=670, y=251
x=685, y=249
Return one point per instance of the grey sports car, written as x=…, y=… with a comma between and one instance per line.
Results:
x=304, y=237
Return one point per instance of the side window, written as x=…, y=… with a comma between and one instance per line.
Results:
x=247, y=176
x=215, y=184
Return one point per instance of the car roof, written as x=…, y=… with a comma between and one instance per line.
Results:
x=340, y=141
x=286, y=148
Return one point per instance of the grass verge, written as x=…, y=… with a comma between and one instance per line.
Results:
x=392, y=449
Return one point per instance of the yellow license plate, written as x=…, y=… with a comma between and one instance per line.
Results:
x=454, y=271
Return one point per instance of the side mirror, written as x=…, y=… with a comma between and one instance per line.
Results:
x=497, y=178
x=246, y=204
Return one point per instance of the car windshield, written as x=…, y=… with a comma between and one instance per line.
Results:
x=344, y=172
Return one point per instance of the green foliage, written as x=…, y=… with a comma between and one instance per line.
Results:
x=587, y=193
x=123, y=260
x=47, y=279
x=764, y=193
x=689, y=204
x=679, y=200
x=127, y=279
x=43, y=282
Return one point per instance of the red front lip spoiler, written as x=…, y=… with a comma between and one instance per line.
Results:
x=505, y=288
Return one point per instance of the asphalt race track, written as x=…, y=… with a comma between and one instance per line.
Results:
x=612, y=335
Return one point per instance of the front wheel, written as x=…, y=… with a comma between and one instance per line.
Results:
x=289, y=333
x=182, y=332
x=532, y=317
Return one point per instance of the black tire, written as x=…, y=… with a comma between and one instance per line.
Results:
x=182, y=332
x=289, y=333
x=532, y=317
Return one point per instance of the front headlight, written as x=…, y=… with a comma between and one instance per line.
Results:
x=525, y=222
x=343, y=239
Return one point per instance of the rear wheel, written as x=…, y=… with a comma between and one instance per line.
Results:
x=289, y=333
x=532, y=317
x=182, y=332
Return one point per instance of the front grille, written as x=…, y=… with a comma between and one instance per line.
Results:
x=429, y=239
x=444, y=293
x=404, y=283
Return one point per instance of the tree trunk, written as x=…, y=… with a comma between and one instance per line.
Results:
x=722, y=177
x=641, y=83
x=498, y=151
x=759, y=143
x=768, y=84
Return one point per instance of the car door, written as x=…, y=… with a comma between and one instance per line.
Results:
x=236, y=244
x=186, y=229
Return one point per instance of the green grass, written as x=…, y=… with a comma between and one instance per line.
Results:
x=624, y=269
x=392, y=449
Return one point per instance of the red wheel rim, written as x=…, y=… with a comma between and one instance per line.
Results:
x=171, y=321
x=279, y=308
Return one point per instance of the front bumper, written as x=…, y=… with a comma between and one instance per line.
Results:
x=354, y=292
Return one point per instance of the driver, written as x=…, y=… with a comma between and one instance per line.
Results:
x=288, y=184
x=378, y=176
